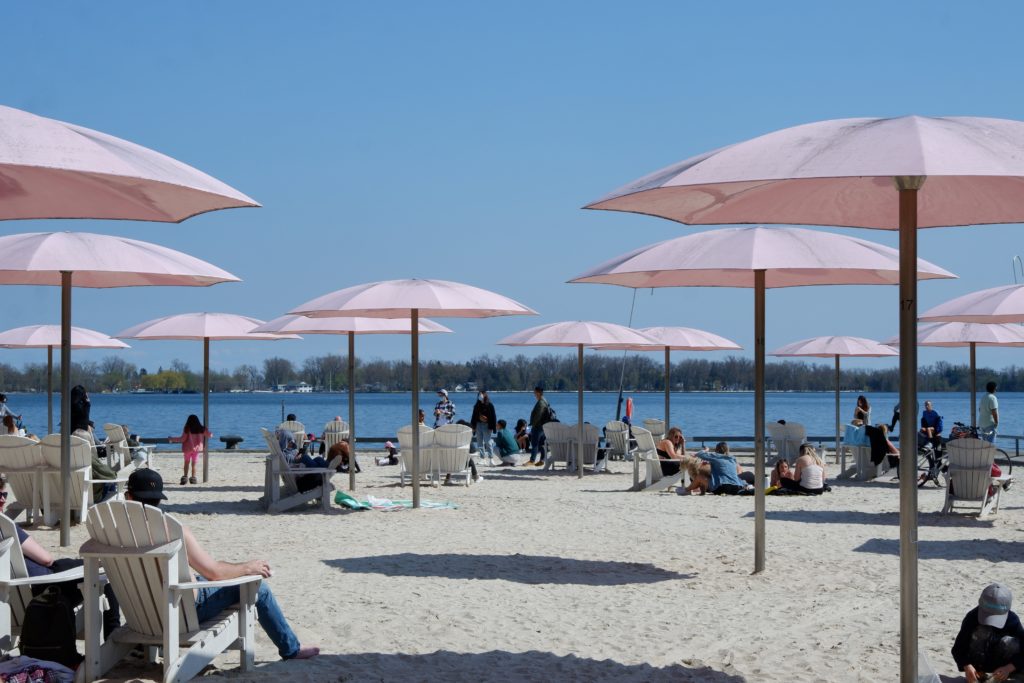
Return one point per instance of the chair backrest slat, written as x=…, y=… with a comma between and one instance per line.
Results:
x=18, y=598
x=970, y=467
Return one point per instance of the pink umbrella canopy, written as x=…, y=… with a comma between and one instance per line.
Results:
x=970, y=335
x=579, y=334
x=100, y=261
x=829, y=347
x=351, y=327
x=205, y=327
x=996, y=305
x=410, y=299
x=52, y=169
x=47, y=337
x=397, y=298
x=840, y=172
x=730, y=257
x=900, y=173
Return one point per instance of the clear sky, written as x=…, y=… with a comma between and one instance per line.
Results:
x=457, y=140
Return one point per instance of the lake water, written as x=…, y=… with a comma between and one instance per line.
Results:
x=158, y=415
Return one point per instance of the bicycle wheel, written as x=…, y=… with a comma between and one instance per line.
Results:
x=1000, y=453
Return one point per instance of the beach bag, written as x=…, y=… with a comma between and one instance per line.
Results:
x=552, y=416
x=49, y=631
x=307, y=482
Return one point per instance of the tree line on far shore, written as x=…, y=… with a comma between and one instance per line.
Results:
x=556, y=372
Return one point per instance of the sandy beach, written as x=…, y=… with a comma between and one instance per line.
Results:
x=540, y=577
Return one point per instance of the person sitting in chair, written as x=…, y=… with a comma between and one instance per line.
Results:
x=147, y=487
x=672, y=456
x=988, y=646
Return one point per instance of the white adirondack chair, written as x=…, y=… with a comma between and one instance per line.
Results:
x=16, y=584
x=591, y=440
x=786, y=440
x=405, y=456
x=616, y=434
x=334, y=431
x=282, y=486
x=970, y=479
x=558, y=439
x=142, y=550
x=81, y=477
x=655, y=427
x=296, y=428
x=22, y=461
x=449, y=452
x=119, y=454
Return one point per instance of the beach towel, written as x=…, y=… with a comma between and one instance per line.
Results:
x=386, y=505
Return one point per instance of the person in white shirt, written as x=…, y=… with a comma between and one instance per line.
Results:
x=988, y=414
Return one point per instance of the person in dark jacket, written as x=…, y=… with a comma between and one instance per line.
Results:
x=988, y=646
x=483, y=422
x=80, y=407
x=539, y=416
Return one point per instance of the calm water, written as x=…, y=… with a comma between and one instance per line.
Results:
x=157, y=415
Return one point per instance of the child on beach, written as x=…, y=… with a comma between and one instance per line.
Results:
x=191, y=440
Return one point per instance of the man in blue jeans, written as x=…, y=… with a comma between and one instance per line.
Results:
x=988, y=413
x=147, y=487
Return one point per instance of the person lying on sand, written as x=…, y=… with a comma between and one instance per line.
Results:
x=147, y=487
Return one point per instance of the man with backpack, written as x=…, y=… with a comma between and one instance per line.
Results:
x=539, y=416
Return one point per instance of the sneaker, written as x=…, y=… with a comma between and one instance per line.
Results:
x=477, y=478
x=192, y=480
x=184, y=480
x=539, y=463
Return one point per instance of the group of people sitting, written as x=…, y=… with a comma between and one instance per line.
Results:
x=718, y=472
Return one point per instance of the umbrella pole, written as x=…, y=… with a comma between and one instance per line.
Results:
x=838, y=443
x=414, y=336
x=65, y=408
x=668, y=378
x=908, y=187
x=206, y=408
x=759, y=350
x=351, y=411
x=579, y=397
x=49, y=390
x=974, y=384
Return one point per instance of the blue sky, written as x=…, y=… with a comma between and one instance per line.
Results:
x=458, y=140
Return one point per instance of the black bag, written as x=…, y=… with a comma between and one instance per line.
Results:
x=308, y=482
x=48, y=631
x=552, y=417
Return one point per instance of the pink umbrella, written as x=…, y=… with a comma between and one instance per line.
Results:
x=297, y=324
x=972, y=335
x=85, y=259
x=52, y=169
x=677, y=339
x=48, y=336
x=835, y=347
x=579, y=334
x=759, y=258
x=860, y=173
x=410, y=299
x=206, y=327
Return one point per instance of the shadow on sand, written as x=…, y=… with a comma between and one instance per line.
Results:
x=529, y=569
x=931, y=519
x=993, y=549
x=496, y=665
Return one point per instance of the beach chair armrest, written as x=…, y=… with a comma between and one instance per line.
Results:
x=75, y=574
x=118, y=480
x=221, y=583
x=311, y=470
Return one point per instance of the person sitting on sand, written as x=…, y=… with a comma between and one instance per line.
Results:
x=672, y=455
x=988, y=646
x=508, y=447
x=341, y=449
x=809, y=473
x=522, y=434
x=782, y=475
x=147, y=487
x=725, y=472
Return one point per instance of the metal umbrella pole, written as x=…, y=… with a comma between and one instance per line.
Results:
x=759, y=351
x=49, y=390
x=668, y=377
x=579, y=408
x=352, y=411
x=206, y=408
x=414, y=336
x=974, y=385
x=838, y=442
x=65, y=408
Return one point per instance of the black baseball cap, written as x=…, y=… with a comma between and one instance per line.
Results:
x=146, y=484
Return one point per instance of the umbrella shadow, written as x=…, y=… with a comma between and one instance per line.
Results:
x=493, y=666
x=992, y=549
x=527, y=569
x=245, y=506
x=931, y=519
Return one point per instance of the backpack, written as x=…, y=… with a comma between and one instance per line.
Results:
x=48, y=631
x=552, y=416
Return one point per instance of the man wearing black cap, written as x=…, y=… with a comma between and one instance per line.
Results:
x=146, y=486
x=988, y=647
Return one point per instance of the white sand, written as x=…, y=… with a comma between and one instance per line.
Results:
x=539, y=577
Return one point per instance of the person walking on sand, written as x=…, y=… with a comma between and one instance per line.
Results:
x=147, y=487
x=539, y=416
x=192, y=436
x=483, y=423
x=988, y=413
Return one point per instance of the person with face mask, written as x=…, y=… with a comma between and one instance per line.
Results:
x=483, y=423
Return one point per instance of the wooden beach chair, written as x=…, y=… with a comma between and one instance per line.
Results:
x=16, y=584
x=81, y=477
x=616, y=434
x=283, y=489
x=656, y=427
x=449, y=451
x=119, y=454
x=786, y=440
x=296, y=428
x=591, y=443
x=22, y=461
x=335, y=431
x=142, y=550
x=405, y=454
x=558, y=439
x=970, y=479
